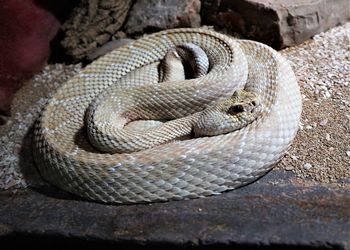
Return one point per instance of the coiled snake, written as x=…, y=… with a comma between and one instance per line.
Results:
x=78, y=117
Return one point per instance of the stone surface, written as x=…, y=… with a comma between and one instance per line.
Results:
x=277, y=23
x=155, y=15
x=277, y=211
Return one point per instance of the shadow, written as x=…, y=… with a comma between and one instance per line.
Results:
x=26, y=160
x=3, y=118
x=58, y=53
x=81, y=140
x=61, y=10
x=32, y=175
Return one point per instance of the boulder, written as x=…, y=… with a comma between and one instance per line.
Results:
x=277, y=23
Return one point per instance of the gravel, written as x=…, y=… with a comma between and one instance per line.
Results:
x=27, y=104
x=322, y=66
x=320, y=152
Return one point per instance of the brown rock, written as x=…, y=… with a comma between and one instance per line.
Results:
x=92, y=24
x=154, y=15
x=277, y=23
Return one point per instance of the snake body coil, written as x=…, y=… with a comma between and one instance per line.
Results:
x=183, y=169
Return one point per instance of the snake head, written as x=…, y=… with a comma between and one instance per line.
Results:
x=232, y=114
x=241, y=102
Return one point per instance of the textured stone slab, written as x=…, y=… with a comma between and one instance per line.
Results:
x=277, y=23
x=278, y=211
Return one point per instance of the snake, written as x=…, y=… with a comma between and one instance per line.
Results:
x=83, y=145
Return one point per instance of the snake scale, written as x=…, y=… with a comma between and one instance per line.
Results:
x=179, y=169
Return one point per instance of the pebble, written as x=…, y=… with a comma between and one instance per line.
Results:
x=289, y=168
x=307, y=166
x=345, y=102
x=324, y=122
x=327, y=94
x=301, y=126
x=348, y=153
x=294, y=157
x=328, y=137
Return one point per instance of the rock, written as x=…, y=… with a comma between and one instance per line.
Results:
x=155, y=15
x=323, y=122
x=279, y=210
x=26, y=30
x=289, y=168
x=92, y=24
x=309, y=127
x=307, y=166
x=277, y=23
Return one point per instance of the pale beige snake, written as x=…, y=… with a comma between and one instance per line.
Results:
x=182, y=169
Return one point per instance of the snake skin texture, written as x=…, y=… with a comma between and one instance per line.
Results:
x=181, y=169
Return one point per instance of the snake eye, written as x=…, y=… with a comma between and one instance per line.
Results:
x=235, y=109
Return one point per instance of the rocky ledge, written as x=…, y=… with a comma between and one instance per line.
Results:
x=277, y=211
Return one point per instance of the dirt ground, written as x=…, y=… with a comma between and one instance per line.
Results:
x=320, y=152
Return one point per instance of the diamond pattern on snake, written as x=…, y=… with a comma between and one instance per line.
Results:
x=179, y=114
